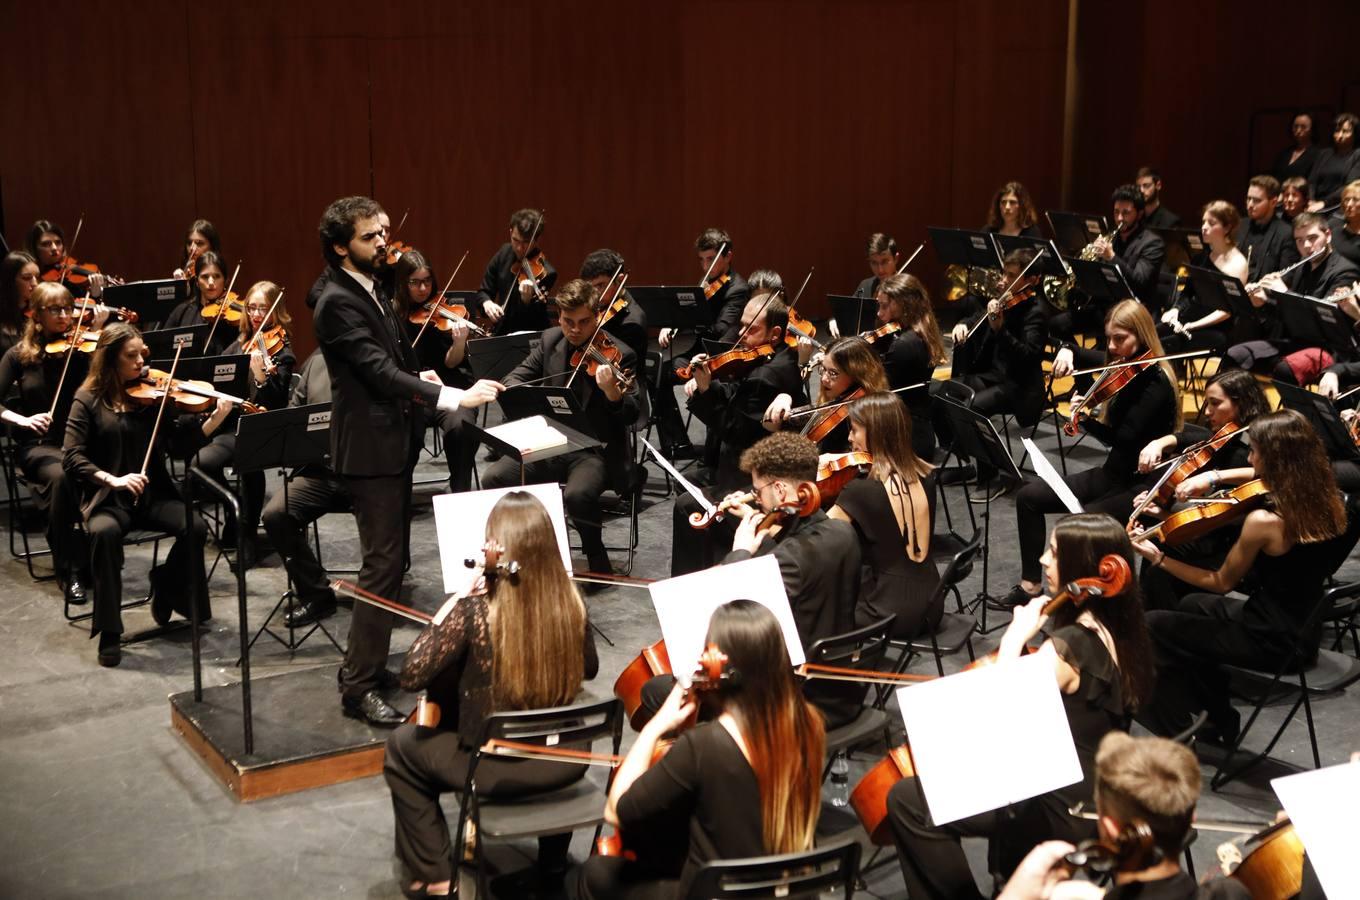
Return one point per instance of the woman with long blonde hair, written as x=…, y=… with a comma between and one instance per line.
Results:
x=744, y=782
x=523, y=643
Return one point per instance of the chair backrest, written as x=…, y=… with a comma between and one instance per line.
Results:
x=961, y=565
x=811, y=874
x=559, y=726
x=957, y=391
x=862, y=648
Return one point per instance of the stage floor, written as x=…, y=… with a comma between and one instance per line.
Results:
x=101, y=798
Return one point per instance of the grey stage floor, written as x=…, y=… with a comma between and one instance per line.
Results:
x=100, y=799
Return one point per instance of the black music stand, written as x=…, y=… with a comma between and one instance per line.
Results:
x=853, y=315
x=1311, y=322
x=227, y=374
x=678, y=307
x=1102, y=281
x=1220, y=291
x=558, y=406
x=1047, y=264
x=1182, y=245
x=161, y=343
x=285, y=439
x=976, y=438
x=152, y=301
x=1323, y=413
x=1073, y=231
x=971, y=249
x=497, y=357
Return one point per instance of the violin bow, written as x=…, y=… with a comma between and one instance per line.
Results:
x=524, y=263
x=913, y=256
x=1009, y=288
x=76, y=330
x=67, y=252
x=396, y=231
x=599, y=323
x=160, y=413
x=1139, y=362
x=222, y=307
x=681, y=480
x=807, y=411
x=1342, y=396
x=759, y=315
x=353, y=591
x=722, y=248
x=437, y=299
x=263, y=324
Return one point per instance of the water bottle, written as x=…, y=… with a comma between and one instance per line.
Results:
x=839, y=787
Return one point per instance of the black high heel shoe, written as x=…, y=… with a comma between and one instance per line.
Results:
x=110, y=650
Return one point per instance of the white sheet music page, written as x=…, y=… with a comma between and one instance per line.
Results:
x=460, y=525
x=1050, y=475
x=957, y=726
x=528, y=435
x=1321, y=806
x=685, y=604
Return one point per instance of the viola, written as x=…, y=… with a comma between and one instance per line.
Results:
x=1008, y=300
x=229, y=307
x=806, y=502
x=733, y=363
x=1194, y=522
x=820, y=426
x=1191, y=461
x=83, y=341
x=836, y=470
x=602, y=351
x=1273, y=868
x=711, y=288
x=869, y=799
x=880, y=332
x=619, y=304
x=443, y=315
x=188, y=396
x=1110, y=382
x=274, y=340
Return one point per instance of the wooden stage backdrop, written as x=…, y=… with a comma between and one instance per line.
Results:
x=799, y=126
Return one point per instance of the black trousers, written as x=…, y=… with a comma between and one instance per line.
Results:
x=616, y=878
x=183, y=564
x=1095, y=488
x=420, y=764
x=694, y=549
x=1213, y=339
x=53, y=490
x=1192, y=642
x=460, y=448
x=309, y=498
x=213, y=459
x=1263, y=357
x=583, y=476
x=380, y=507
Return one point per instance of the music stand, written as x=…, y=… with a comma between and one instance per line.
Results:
x=286, y=439
x=714, y=347
x=575, y=441
x=1102, y=281
x=1182, y=245
x=497, y=357
x=976, y=438
x=853, y=315
x=971, y=249
x=558, y=405
x=1073, y=231
x=228, y=374
x=678, y=307
x=1049, y=264
x=1314, y=323
x=1322, y=412
x=152, y=301
x=161, y=343
x=1220, y=291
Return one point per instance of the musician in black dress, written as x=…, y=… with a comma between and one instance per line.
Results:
x=1190, y=323
x=29, y=379
x=1013, y=212
x=115, y=453
x=18, y=278
x=201, y=237
x=510, y=298
x=1337, y=165
x=46, y=242
x=848, y=366
x=1147, y=407
x=1296, y=161
x=209, y=287
x=911, y=355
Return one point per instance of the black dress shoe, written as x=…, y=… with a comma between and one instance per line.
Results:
x=373, y=709
x=75, y=591
x=311, y=611
x=161, y=603
x=685, y=451
x=110, y=651
x=1017, y=596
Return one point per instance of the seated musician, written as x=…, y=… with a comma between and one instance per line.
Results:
x=1012, y=212
x=271, y=376
x=208, y=288
x=1102, y=662
x=1189, y=323
x=313, y=492
x=1143, y=781
x=46, y=242
x=1346, y=232
x=629, y=324
x=727, y=293
x=1232, y=400
x=18, y=279
x=1287, y=550
x=1296, y=160
x=883, y=262
x=1147, y=407
x=911, y=355
x=201, y=237
x=734, y=410
x=1002, y=360
x=1155, y=214
x=38, y=424
x=1296, y=195
x=1267, y=241
x=1135, y=248
x=892, y=509
x=1337, y=165
x=744, y=781
x=122, y=487
x=508, y=296
x=608, y=402
x=522, y=643
x=1283, y=357
x=848, y=367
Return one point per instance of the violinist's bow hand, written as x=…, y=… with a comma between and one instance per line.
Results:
x=1062, y=363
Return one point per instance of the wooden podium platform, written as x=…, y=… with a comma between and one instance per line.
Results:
x=302, y=739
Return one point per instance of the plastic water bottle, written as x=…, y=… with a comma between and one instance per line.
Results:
x=839, y=787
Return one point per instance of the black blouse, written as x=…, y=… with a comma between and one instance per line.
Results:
x=1144, y=409
x=906, y=359
x=35, y=385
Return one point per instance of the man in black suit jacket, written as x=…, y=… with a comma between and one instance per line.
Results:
x=508, y=299
x=1135, y=248
x=609, y=408
x=1267, y=241
x=630, y=325
x=375, y=428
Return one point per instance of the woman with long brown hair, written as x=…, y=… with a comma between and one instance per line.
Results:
x=744, y=782
x=1013, y=212
x=107, y=437
x=200, y=238
x=38, y=421
x=1289, y=548
x=847, y=365
x=892, y=509
x=524, y=643
x=19, y=275
x=1102, y=661
x=911, y=355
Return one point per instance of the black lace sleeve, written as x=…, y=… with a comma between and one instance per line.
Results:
x=440, y=646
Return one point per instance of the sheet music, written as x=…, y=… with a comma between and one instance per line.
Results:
x=1326, y=825
x=528, y=435
x=460, y=526
x=1050, y=475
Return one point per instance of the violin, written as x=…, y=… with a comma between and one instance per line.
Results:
x=273, y=340
x=602, y=351
x=1008, y=300
x=120, y=313
x=188, y=396
x=71, y=271
x=869, y=799
x=443, y=315
x=1110, y=382
x=881, y=331
x=532, y=269
x=1193, y=522
x=733, y=363
x=395, y=251
x=83, y=341
x=836, y=470
x=711, y=288
x=229, y=307
x=799, y=327
x=819, y=426
x=619, y=304
x=1191, y=461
